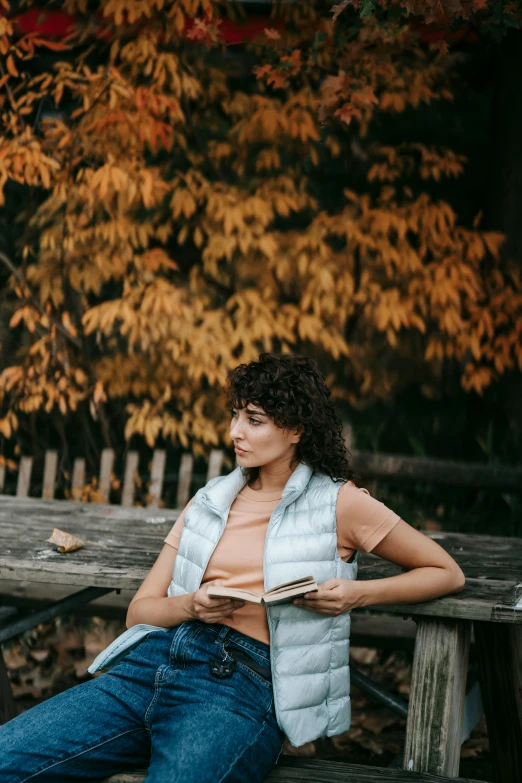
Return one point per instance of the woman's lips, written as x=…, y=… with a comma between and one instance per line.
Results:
x=238, y=450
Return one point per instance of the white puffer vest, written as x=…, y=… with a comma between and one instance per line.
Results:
x=308, y=651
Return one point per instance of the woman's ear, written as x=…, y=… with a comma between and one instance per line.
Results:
x=296, y=437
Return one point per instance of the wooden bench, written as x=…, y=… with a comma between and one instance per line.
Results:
x=291, y=770
x=122, y=544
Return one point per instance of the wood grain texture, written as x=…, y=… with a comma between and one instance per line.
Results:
x=436, y=471
x=499, y=650
x=291, y=770
x=157, y=472
x=129, y=479
x=184, y=480
x=123, y=543
x=437, y=695
x=106, y=466
x=78, y=477
x=24, y=477
x=49, y=477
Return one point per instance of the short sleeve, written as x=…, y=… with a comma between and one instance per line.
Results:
x=174, y=533
x=362, y=521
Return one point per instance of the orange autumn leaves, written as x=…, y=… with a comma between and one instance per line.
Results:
x=183, y=223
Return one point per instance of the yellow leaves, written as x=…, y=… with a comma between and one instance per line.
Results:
x=475, y=249
x=68, y=324
x=11, y=377
x=98, y=394
x=264, y=122
x=182, y=203
x=268, y=159
x=267, y=244
x=23, y=160
x=450, y=321
x=9, y=424
x=493, y=241
x=28, y=314
x=476, y=378
x=434, y=350
x=10, y=65
x=111, y=180
x=198, y=237
x=392, y=313
x=154, y=260
x=80, y=376
x=308, y=327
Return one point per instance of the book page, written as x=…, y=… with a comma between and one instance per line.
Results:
x=294, y=582
x=216, y=591
x=286, y=596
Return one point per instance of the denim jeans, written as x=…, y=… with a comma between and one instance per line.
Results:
x=160, y=707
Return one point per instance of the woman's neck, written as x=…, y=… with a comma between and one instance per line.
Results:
x=272, y=478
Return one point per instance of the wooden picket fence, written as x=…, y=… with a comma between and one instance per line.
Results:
x=370, y=465
x=157, y=475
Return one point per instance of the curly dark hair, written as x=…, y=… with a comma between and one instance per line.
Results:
x=292, y=392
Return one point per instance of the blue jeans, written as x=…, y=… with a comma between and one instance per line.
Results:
x=160, y=707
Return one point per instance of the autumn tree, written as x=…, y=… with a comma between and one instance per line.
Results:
x=191, y=206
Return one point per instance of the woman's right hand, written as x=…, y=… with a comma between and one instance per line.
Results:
x=212, y=610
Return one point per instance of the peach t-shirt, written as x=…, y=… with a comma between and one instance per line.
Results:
x=237, y=560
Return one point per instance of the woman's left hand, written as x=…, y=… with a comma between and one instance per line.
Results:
x=334, y=597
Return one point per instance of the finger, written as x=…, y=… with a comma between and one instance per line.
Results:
x=218, y=603
x=320, y=595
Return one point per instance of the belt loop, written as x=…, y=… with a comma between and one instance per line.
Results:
x=224, y=632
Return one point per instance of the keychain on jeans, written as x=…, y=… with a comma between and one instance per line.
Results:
x=222, y=669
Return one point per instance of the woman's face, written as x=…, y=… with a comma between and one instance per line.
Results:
x=258, y=441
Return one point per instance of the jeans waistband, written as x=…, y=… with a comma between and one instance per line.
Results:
x=229, y=636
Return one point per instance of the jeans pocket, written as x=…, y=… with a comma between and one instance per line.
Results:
x=256, y=675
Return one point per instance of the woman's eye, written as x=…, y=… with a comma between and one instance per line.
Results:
x=254, y=421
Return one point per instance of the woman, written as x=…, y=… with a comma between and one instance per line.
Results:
x=206, y=689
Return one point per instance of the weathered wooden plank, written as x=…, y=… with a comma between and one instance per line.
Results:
x=34, y=509
x=24, y=477
x=499, y=650
x=290, y=769
x=133, y=565
x=184, y=480
x=437, y=471
x=480, y=557
x=129, y=480
x=116, y=547
x=49, y=477
x=437, y=694
x=215, y=463
x=78, y=478
x=156, y=477
x=501, y=557
x=106, y=466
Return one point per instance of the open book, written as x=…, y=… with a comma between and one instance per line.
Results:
x=280, y=594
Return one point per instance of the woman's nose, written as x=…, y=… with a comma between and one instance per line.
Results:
x=235, y=431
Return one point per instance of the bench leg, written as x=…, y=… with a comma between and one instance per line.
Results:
x=499, y=650
x=438, y=689
x=7, y=705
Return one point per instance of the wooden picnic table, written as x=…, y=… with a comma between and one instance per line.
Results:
x=122, y=544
